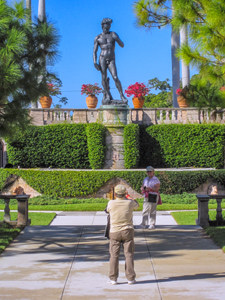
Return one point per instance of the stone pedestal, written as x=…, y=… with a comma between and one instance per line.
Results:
x=203, y=210
x=114, y=117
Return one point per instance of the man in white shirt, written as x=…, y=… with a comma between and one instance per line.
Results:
x=121, y=232
x=150, y=189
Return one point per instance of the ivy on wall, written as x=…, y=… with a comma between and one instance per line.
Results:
x=85, y=183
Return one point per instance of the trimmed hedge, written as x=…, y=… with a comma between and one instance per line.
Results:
x=131, y=146
x=75, y=146
x=189, y=145
x=96, y=145
x=84, y=183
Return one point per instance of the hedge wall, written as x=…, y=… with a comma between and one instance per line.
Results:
x=189, y=145
x=131, y=146
x=59, y=146
x=84, y=183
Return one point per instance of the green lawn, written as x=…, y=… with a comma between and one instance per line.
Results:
x=183, y=201
x=8, y=233
x=189, y=218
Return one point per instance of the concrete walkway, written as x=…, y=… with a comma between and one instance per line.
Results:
x=70, y=261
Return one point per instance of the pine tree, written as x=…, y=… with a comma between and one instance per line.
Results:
x=206, y=24
x=159, y=13
x=22, y=45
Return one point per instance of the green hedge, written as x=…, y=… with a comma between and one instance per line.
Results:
x=96, y=145
x=131, y=146
x=84, y=183
x=75, y=146
x=189, y=145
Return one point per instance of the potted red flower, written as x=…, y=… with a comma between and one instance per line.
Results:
x=138, y=90
x=53, y=90
x=181, y=100
x=91, y=90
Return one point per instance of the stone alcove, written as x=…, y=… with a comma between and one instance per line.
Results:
x=107, y=190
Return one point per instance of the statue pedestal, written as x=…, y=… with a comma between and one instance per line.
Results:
x=117, y=114
x=114, y=117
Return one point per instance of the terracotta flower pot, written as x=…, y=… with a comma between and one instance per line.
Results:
x=91, y=101
x=138, y=102
x=182, y=102
x=46, y=101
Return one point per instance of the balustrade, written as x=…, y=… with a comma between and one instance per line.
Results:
x=22, y=216
x=203, y=209
x=146, y=116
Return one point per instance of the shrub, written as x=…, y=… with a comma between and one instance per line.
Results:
x=57, y=146
x=190, y=145
x=131, y=146
x=85, y=183
x=96, y=145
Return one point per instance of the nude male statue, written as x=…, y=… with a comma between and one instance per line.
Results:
x=106, y=41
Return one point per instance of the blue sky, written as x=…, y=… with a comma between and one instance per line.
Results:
x=146, y=54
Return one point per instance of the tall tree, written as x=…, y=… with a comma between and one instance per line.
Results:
x=158, y=13
x=206, y=23
x=20, y=42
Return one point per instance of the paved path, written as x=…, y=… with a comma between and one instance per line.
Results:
x=69, y=261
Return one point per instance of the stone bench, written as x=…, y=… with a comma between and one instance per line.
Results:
x=203, y=209
x=22, y=217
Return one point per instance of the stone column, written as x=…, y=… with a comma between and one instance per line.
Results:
x=22, y=218
x=203, y=210
x=114, y=117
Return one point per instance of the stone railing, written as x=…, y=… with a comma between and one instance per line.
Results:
x=145, y=116
x=203, y=209
x=22, y=217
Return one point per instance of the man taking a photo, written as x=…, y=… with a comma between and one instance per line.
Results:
x=121, y=232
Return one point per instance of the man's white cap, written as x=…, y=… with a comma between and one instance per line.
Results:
x=150, y=169
x=120, y=189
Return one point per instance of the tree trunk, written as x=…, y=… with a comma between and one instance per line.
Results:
x=41, y=18
x=184, y=68
x=41, y=10
x=175, y=42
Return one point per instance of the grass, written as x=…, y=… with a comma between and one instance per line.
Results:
x=8, y=233
x=36, y=218
x=183, y=201
x=216, y=233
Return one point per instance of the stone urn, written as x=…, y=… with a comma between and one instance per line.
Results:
x=91, y=101
x=46, y=101
x=182, y=102
x=138, y=102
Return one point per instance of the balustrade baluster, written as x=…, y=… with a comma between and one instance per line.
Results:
x=219, y=217
x=7, y=217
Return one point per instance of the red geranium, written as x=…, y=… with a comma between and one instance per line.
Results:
x=179, y=91
x=53, y=89
x=138, y=90
x=90, y=89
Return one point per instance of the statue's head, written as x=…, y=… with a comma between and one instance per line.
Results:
x=107, y=21
x=106, y=24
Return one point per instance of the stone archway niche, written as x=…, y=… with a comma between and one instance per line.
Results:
x=107, y=190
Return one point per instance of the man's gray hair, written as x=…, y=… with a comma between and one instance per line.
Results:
x=107, y=20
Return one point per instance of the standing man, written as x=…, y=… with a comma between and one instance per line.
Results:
x=106, y=41
x=121, y=232
x=150, y=189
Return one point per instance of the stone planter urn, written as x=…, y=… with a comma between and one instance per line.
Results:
x=46, y=101
x=182, y=102
x=138, y=102
x=91, y=101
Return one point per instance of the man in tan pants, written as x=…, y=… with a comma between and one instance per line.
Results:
x=121, y=232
